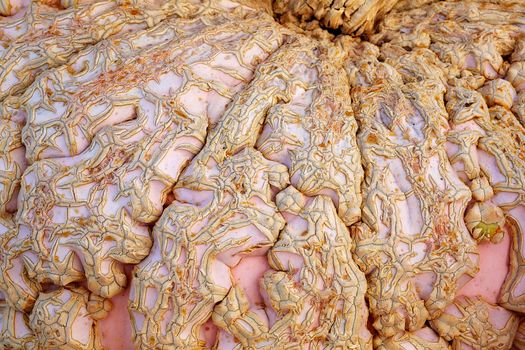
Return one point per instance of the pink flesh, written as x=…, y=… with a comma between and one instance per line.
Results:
x=115, y=329
x=18, y=8
x=209, y=333
x=493, y=268
x=247, y=275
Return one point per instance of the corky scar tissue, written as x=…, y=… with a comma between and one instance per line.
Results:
x=262, y=175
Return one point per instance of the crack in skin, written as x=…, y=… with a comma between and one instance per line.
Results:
x=54, y=317
x=104, y=219
x=424, y=339
x=519, y=339
x=475, y=42
x=34, y=43
x=125, y=175
x=97, y=192
x=30, y=45
x=190, y=136
x=45, y=38
x=14, y=330
x=53, y=125
x=12, y=161
x=18, y=291
x=154, y=56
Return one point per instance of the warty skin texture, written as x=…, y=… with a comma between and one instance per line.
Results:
x=160, y=123
x=484, y=144
x=100, y=232
x=35, y=41
x=99, y=191
x=424, y=338
x=476, y=42
x=471, y=322
x=326, y=312
x=98, y=58
x=176, y=287
x=14, y=332
x=12, y=161
x=219, y=217
x=414, y=258
x=217, y=155
x=60, y=318
x=314, y=134
x=17, y=289
x=502, y=162
x=45, y=38
x=519, y=340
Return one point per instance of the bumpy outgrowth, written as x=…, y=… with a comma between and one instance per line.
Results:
x=348, y=16
x=12, y=158
x=210, y=226
x=314, y=132
x=519, y=339
x=14, y=330
x=422, y=339
x=496, y=154
x=223, y=210
x=219, y=153
x=314, y=292
x=481, y=46
x=45, y=38
x=41, y=39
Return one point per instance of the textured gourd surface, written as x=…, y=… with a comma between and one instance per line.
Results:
x=204, y=175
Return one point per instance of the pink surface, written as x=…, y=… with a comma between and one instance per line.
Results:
x=493, y=268
x=115, y=330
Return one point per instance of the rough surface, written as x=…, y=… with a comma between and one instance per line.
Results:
x=18, y=291
x=313, y=134
x=220, y=216
x=59, y=320
x=519, y=340
x=12, y=161
x=485, y=139
x=314, y=292
x=472, y=323
x=195, y=174
x=348, y=16
x=43, y=38
x=468, y=35
x=412, y=243
x=424, y=339
x=486, y=142
x=175, y=289
x=110, y=190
